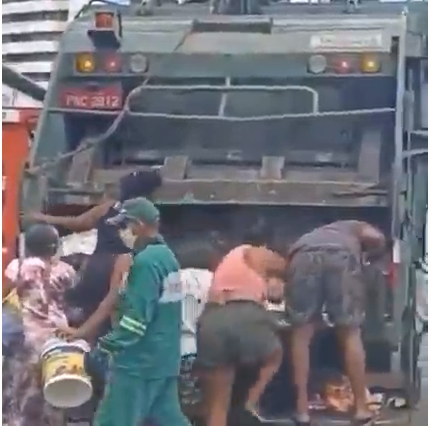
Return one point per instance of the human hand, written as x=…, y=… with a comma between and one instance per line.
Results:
x=275, y=290
x=68, y=333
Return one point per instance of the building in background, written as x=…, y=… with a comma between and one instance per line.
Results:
x=31, y=31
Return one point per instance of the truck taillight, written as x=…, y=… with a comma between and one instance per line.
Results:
x=370, y=64
x=112, y=63
x=344, y=64
x=104, y=20
x=392, y=273
x=85, y=63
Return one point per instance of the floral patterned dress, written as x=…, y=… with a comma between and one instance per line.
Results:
x=40, y=288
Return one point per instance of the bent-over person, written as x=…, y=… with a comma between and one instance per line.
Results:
x=235, y=330
x=325, y=269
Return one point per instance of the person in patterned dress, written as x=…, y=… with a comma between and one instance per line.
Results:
x=39, y=281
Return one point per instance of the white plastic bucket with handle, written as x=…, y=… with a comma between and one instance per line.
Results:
x=65, y=383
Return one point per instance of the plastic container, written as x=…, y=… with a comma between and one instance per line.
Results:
x=65, y=382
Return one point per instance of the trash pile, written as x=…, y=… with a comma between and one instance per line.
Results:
x=336, y=396
x=84, y=243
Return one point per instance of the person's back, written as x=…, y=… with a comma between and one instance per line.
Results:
x=235, y=280
x=108, y=240
x=39, y=283
x=338, y=235
x=325, y=271
x=95, y=274
x=161, y=341
x=235, y=329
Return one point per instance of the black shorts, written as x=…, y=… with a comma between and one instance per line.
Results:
x=325, y=279
x=237, y=333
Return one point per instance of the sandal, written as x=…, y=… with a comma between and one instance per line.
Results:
x=368, y=421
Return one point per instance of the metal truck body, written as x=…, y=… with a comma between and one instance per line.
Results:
x=298, y=116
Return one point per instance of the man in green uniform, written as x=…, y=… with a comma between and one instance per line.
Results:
x=144, y=348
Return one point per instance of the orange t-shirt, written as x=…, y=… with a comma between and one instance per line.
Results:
x=235, y=280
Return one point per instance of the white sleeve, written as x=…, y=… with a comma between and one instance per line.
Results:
x=191, y=312
x=11, y=271
x=195, y=284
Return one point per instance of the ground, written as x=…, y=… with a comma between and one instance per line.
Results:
x=420, y=417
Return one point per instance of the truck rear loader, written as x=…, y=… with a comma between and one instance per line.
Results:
x=292, y=115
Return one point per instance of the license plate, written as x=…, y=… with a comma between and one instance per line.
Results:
x=106, y=98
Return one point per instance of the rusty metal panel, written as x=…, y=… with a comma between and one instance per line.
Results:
x=342, y=189
x=239, y=174
x=270, y=192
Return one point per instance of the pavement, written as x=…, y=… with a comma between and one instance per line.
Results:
x=420, y=417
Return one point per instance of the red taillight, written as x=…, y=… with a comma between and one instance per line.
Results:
x=104, y=20
x=344, y=63
x=392, y=275
x=343, y=66
x=112, y=63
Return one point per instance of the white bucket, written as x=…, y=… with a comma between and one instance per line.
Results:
x=66, y=385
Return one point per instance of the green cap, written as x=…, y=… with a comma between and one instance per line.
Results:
x=140, y=209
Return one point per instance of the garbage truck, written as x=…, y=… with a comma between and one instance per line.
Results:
x=289, y=113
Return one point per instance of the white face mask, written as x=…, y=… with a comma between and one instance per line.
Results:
x=127, y=237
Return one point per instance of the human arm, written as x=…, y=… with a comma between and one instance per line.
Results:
x=263, y=260
x=140, y=302
x=372, y=240
x=80, y=223
x=108, y=304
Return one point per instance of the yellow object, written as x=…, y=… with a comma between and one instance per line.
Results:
x=66, y=383
x=12, y=301
x=370, y=64
x=85, y=63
